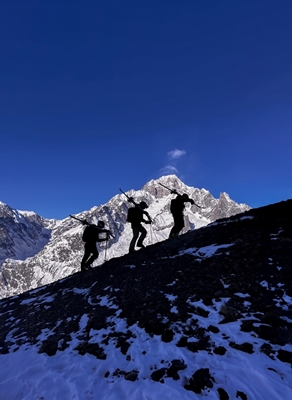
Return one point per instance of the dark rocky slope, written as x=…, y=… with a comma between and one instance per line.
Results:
x=253, y=275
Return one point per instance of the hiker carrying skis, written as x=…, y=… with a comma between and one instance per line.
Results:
x=136, y=217
x=91, y=235
x=177, y=207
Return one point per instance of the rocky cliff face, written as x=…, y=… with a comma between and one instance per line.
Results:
x=22, y=233
x=53, y=249
x=219, y=296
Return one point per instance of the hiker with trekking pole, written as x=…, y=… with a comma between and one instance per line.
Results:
x=91, y=235
x=136, y=217
x=177, y=207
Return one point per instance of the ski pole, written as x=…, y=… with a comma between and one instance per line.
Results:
x=105, y=259
x=155, y=234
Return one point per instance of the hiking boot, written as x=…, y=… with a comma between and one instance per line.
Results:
x=141, y=245
x=85, y=268
x=173, y=236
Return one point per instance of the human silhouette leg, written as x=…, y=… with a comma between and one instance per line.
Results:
x=178, y=225
x=143, y=232
x=136, y=232
x=89, y=248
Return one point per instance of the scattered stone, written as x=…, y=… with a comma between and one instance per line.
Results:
x=245, y=347
x=202, y=344
x=119, y=373
x=242, y=395
x=201, y=312
x=220, y=350
x=49, y=347
x=285, y=356
x=91, y=348
x=124, y=347
x=229, y=313
x=179, y=365
x=153, y=327
x=222, y=394
x=183, y=341
x=158, y=374
x=176, y=365
x=132, y=376
x=213, y=329
x=200, y=380
x=267, y=349
x=271, y=369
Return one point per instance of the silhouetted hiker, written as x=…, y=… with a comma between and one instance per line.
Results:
x=91, y=236
x=135, y=217
x=177, y=207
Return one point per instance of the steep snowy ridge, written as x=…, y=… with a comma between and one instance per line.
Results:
x=55, y=248
x=22, y=233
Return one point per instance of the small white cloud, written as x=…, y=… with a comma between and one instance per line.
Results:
x=176, y=153
x=168, y=169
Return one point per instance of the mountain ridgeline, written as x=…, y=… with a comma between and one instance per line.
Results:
x=36, y=251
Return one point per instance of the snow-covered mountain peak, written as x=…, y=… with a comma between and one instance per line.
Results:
x=224, y=196
x=55, y=247
x=22, y=234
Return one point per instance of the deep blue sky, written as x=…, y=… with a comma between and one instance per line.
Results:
x=96, y=95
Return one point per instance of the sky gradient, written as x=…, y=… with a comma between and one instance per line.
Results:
x=98, y=95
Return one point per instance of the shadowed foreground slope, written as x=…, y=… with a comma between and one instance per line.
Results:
x=215, y=303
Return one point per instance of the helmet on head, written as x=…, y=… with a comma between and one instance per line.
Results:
x=143, y=205
x=185, y=196
x=100, y=224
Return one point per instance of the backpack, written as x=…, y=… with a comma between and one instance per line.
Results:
x=131, y=214
x=91, y=234
x=176, y=206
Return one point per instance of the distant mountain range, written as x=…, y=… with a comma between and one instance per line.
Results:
x=35, y=251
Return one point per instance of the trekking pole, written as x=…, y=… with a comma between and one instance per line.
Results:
x=173, y=191
x=151, y=238
x=105, y=259
x=155, y=234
